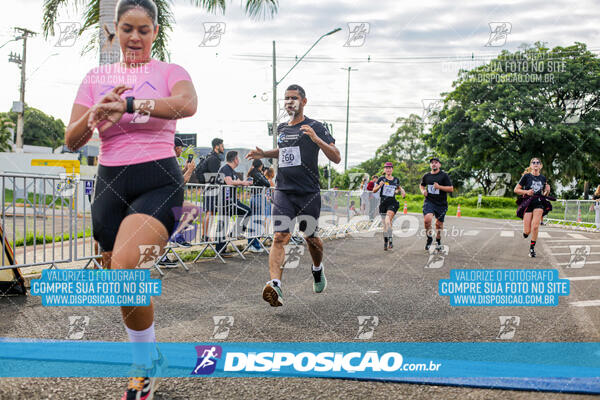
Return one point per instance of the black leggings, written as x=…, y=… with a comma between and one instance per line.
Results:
x=153, y=188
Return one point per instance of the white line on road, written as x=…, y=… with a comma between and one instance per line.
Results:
x=583, y=278
x=471, y=233
x=586, y=263
x=568, y=240
x=568, y=254
x=507, y=234
x=585, y=303
x=566, y=247
x=544, y=235
x=577, y=236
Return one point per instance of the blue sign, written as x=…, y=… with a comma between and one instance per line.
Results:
x=89, y=187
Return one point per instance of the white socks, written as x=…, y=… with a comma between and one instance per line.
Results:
x=145, y=351
x=320, y=267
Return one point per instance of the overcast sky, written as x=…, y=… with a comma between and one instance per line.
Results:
x=407, y=43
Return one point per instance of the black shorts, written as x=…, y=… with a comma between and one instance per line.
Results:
x=153, y=188
x=435, y=209
x=389, y=204
x=288, y=206
x=536, y=202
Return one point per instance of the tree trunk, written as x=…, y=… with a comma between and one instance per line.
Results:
x=108, y=53
x=586, y=189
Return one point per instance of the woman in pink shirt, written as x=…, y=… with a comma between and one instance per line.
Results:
x=134, y=105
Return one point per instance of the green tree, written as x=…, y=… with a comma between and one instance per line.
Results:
x=535, y=102
x=100, y=13
x=406, y=150
x=5, y=132
x=39, y=128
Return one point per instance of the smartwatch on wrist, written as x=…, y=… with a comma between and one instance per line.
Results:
x=129, y=100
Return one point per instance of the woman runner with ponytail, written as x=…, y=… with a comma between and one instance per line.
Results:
x=134, y=105
x=533, y=204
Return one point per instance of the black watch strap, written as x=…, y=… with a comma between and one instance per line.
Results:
x=130, y=109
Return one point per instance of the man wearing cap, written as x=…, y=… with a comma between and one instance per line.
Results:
x=388, y=206
x=435, y=185
x=187, y=168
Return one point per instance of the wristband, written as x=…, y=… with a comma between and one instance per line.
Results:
x=129, y=100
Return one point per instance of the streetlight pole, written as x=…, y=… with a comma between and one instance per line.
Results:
x=276, y=82
x=347, y=118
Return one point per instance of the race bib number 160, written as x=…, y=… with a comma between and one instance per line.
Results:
x=289, y=156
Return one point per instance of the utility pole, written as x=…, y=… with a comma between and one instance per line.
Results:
x=274, y=127
x=347, y=118
x=21, y=61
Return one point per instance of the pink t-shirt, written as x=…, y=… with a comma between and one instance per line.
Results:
x=135, y=138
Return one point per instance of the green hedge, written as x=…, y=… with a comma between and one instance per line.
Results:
x=486, y=201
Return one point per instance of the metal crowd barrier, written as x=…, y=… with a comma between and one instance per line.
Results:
x=579, y=214
x=47, y=220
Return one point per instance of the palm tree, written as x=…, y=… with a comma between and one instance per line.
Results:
x=100, y=15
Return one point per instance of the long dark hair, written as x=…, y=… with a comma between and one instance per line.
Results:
x=256, y=164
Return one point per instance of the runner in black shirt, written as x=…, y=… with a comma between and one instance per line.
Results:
x=533, y=185
x=388, y=205
x=297, y=191
x=435, y=186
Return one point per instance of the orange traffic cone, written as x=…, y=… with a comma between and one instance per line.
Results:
x=405, y=211
x=579, y=215
x=458, y=211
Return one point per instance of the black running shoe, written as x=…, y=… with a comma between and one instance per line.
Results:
x=140, y=389
x=532, y=253
x=390, y=244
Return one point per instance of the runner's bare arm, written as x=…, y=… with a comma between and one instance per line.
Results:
x=443, y=188
x=182, y=103
x=423, y=190
x=330, y=150
x=260, y=153
x=520, y=191
x=78, y=132
x=546, y=190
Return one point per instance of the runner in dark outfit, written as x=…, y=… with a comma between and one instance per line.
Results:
x=435, y=186
x=533, y=187
x=388, y=205
x=297, y=190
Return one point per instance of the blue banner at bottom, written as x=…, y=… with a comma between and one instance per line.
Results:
x=372, y=360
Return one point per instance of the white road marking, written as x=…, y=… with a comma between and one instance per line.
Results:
x=586, y=263
x=568, y=254
x=507, y=234
x=544, y=235
x=471, y=233
x=583, y=278
x=568, y=240
x=566, y=247
x=577, y=236
x=585, y=303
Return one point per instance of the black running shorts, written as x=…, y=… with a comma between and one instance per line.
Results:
x=389, y=204
x=435, y=209
x=288, y=206
x=536, y=202
x=153, y=188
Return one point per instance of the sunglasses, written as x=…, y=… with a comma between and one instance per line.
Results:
x=536, y=162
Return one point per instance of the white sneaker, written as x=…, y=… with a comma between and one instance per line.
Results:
x=253, y=249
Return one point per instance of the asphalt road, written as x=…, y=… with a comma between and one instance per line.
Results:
x=398, y=287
